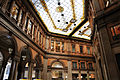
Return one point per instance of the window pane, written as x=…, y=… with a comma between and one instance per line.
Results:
x=57, y=46
x=73, y=47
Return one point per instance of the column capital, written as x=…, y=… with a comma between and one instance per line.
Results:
x=16, y=58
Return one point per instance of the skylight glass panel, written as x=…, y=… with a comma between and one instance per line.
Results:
x=62, y=16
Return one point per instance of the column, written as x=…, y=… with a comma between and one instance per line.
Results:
x=4, y=5
x=87, y=75
x=12, y=7
x=2, y=71
x=64, y=75
x=54, y=45
x=37, y=74
x=69, y=70
x=107, y=56
x=19, y=17
x=49, y=76
x=79, y=75
x=30, y=69
x=24, y=21
x=40, y=74
x=45, y=69
x=14, y=68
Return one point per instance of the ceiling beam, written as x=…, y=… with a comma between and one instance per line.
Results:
x=80, y=25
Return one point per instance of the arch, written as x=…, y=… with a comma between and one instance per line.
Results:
x=59, y=62
x=25, y=49
x=25, y=59
x=10, y=37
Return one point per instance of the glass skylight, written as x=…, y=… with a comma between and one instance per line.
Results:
x=61, y=16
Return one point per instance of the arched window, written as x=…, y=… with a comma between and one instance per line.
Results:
x=57, y=65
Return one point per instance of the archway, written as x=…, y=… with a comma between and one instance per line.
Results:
x=57, y=71
x=8, y=49
x=24, y=65
x=36, y=73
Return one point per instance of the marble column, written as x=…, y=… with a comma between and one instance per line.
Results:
x=14, y=68
x=30, y=71
x=45, y=69
x=69, y=70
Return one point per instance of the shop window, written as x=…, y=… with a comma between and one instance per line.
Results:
x=73, y=47
x=81, y=49
x=52, y=45
x=88, y=49
x=90, y=65
x=57, y=46
x=116, y=32
x=62, y=46
x=14, y=12
x=82, y=65
x=74, y=65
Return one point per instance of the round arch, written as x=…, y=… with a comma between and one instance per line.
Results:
x=57, y=61
x=6, y=36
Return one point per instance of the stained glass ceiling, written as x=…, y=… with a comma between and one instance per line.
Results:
x=63, y=16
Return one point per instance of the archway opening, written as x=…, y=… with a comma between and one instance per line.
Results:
x=57, y=72
x=7, y=52
x=23, y=66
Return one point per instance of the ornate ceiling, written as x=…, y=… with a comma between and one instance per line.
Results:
x=63, y=16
